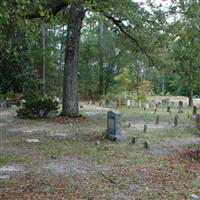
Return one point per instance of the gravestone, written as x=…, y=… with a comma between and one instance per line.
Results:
x=133, y=140
x=176, y=121
x=145, y=128
x=128, y=104
x=198, y=122
x=35, y=140
x=146, y=144
x=194, y=112
x=157, y=119
x=180, y=107
x=114, y=131
x=168, y=109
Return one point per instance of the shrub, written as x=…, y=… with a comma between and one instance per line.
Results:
x=37, y=107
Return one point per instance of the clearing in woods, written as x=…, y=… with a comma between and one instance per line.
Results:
x=72, y=160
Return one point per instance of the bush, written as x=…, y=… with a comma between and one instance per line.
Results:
x=37, y=107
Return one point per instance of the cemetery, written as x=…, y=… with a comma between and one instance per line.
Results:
x=109, y=153
x=99, y=100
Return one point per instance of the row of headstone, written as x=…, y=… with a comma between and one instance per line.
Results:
x=114, y=130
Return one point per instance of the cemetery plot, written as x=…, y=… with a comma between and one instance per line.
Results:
x=73, y=159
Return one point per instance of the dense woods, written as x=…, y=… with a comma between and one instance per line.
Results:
x=97, y=49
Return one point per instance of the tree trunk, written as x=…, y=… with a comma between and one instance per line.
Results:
x=109, y=70
x=43, y=59
x=137, y=79
x=101, y=38
x=190, y=95
x=163, y=84
x=70, y=85
x=61, y=47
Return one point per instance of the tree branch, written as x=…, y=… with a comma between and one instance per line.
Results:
x=119, y=24
x=54, y=6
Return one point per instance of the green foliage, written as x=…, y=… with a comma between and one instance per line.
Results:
x=145, y=89
x=126, y=79
x=16, y=72
x=37, y=107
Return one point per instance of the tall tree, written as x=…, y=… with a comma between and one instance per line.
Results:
x=43, y=57
x=101, y=58
x=70, y=85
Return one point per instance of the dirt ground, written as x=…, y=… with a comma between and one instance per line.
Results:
x=73, y=160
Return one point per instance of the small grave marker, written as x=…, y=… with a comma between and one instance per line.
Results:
x=145, y=128
x=133, y=140
x=129, y=124
x=157, y=119
x=198, y=121
x=176, y=121
x=146, y=145
x=32, y=140
x=180, y=107
x=128, y=104
x=194, y=112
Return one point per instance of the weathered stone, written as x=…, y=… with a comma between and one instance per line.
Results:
x=194, y=112
x=32, y=140
x=133, y=140
x=198, y=121
x=180, y=107
x=145, y=128
x=114, y=131
x=129, y=124
x=176, y=121
x=157, y=119
x=128, y=103
x=146, y=145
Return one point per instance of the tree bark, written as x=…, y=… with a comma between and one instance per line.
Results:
x=109, y=69
x=70, y=85
x=163, y=84
x=101, y=44
x=137, y=79
x=190, y=95
x=43, y=59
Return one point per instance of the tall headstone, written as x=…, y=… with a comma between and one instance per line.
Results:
x=180, y=107
x=114, y=131
x=194, y=112
x=198, y=121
